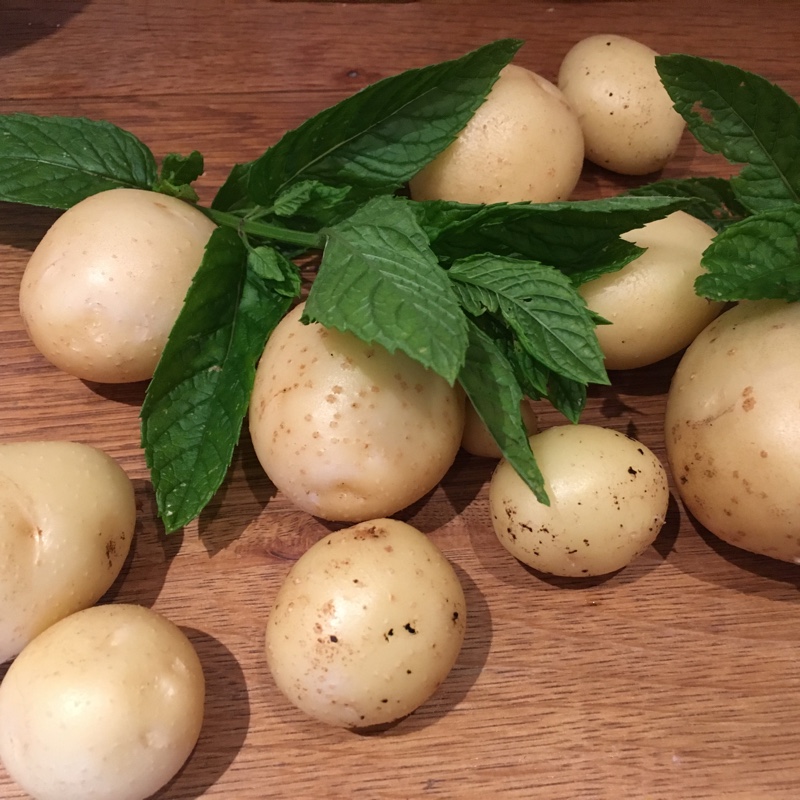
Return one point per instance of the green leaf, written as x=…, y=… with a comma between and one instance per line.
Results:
x=232, y=195
x=377, y=139
x=379, y=279
x=309, y=198
x=491, y=386
x=178, y=172
x=580, y=238
x=548, y=317
x=758, y=258
x=711, y=200
x=194, y=407
x=59, y=161
x=745, y=118
x=272, y=267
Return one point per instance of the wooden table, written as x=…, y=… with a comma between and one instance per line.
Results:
x=676, y=678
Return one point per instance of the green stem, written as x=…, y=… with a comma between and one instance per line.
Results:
x=267, y=230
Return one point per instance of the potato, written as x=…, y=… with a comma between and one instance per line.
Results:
x=628, y=120
x=651, y=303
x=476, y=438
x=608, y=501
x=732, y=428
x=106, y=704
x=67, y=518
x=346, y=430
x=366, y=626
x=104, y=286
x=523, y=143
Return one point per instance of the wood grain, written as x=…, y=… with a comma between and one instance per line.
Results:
x=675, y=679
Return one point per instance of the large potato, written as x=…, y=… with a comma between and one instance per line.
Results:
x=367, y=625
x=628, y=120
x=733, y=428
x=608, y=501
x=651, y=302
x=523, y=143
x=104, y=286
x=346, y=430
x=105, y=705
x=67, y=517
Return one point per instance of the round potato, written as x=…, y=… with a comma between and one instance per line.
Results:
x=104, y=286
x=628, y=120
x=651, y=302
x=106, y=704
x=476, y=438
x=523, y=144
x=346, y=430
x=608, y=501
x=732, y=428
x=67, y=518
x=367, y=625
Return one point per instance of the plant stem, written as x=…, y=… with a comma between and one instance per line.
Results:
x=267, y=230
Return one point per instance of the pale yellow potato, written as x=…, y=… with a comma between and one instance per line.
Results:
x=67, y=518
x=366, y=626
x=524, y=143
x=627, y=117
x=346, y=430
x=651, y=303
x=732, y=428
x=476, y=438
x=608, y=501
x=106, y=704
x=104, y=286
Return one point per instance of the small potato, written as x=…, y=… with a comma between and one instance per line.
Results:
x=608, y=501
x=476, y=438
x=346, y=430
x=104, y=287
x=67, y=518
x=651, y=302
x=106, y=704
x=367, y=625
x=523, y=144
x=732, y=428
x=628, y=120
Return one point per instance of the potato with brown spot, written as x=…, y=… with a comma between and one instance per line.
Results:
x=367, y=624
x=732, y=428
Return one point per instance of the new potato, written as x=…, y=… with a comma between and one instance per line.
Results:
x=346, y=430
x=732, y=428
x=524, y=143
x=67, y=518
x=608, y=501
x=367, y=624
x=106, y=704
x=104, y=286
x=651, y=302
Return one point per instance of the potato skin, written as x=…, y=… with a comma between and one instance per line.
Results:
x=106, y=704
x=104, y=286
x=627, y=117
x=608, y=501
x=346, y=430
x=523, y=144
x=651, y=302
x=732, y=428
x=367, y=624
x=67, y=519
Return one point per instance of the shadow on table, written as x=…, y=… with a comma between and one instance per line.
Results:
x=25, y=26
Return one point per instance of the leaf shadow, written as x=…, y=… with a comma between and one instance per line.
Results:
x=24, y=26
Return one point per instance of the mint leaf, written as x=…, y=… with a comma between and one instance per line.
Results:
x=745, y=118
x=271, y=266
x=309, y=198
x=59, y=161
x=232, y=195
x=194, y=407
x=377, y=139
x=379, y=279
x=711, y=200
x=758, y=258
x=580, y=238
x=489, y=382
x=177, y=173
x=549, y=318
